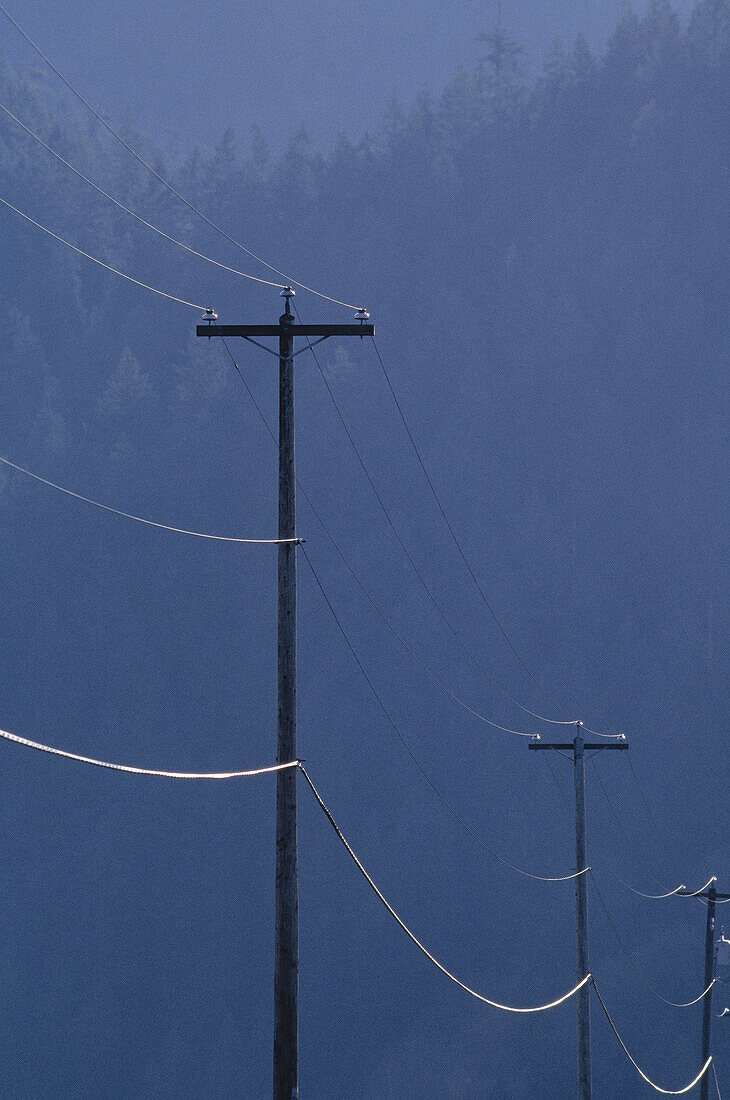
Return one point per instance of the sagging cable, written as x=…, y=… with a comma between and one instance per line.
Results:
x=657, y=1088
x=107, y=267
x=139, y=519
x=161, y=179
x=641, y=894
x=132, y=213
x=416, y=941
x=143, y=771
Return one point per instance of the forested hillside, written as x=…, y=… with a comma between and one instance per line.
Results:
x=545, y=260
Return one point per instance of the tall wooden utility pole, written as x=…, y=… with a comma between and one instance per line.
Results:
x=578, y=747
x=286, y=951
x=711, y=895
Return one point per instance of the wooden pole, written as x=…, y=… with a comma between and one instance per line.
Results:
x=709, y=975
x=585, y=1087
x=286, y=967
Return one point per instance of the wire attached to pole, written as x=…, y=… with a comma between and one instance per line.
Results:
x=165, y=183
x=390, y=719
x=639, y=1070
x=431, y=958
x=139, y=519
x=142, y=771
x=107, y=267
x=132, y=213
x=422, y=580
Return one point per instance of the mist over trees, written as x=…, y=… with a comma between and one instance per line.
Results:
x=545, y=259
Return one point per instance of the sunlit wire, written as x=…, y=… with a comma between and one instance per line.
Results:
x=639, y=1070
x=165, y=183
x=417, y=942
x=132, y=213
x=142, y=771
x=107, y=267
x=139, y=519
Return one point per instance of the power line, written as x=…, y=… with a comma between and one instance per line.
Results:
x=391, y=720
x=457, y=541
x=623, y=834
x=393, y=724
x=142, y=771
x=632, y=960
x=366, y=593
x=717, y=1083
x=467, y=563
x=436, y=603
x=145, y=164
x=412, y=937
x=132, y=213
x=139, y=519
x=657, y=1088
x=641, y=894
x=696, y=893
x=366, y=677
x=107, y=267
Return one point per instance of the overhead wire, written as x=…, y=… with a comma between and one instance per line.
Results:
x=467, y=563
x=406, y=744
x=456, y=540
x=139, y=519
x=639, y=1070
x=161, y=179
x=107, y=267
x=641, y=894
x=696, y=893
x=368, y=680
x=620, y=826
x=422, y=580
x=431, y=958
x=17, y=740
x=132, y=213
x=366, y=593
x=632, y=960
x=717, y=1083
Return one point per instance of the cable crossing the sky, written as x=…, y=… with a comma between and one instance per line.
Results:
x=415, y=940
x=356, y=577
x=139, y=519
x=406, y=744
x=366, y=677
x=639, y=1070
x=143, y=771
x=132, y=213
x=462, y=553
x=101, y=263
x=165, y=183
x=638, y=970
x=457, y=541
x=433, y=599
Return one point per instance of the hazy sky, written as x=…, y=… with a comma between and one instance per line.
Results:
x=330, y=64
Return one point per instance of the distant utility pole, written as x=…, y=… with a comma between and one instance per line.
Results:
x=711, y=895
x=578, y=747
x=286, y=952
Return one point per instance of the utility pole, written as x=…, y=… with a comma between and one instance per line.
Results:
x=286, y=950
x=578, y=747
x=711, y=896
